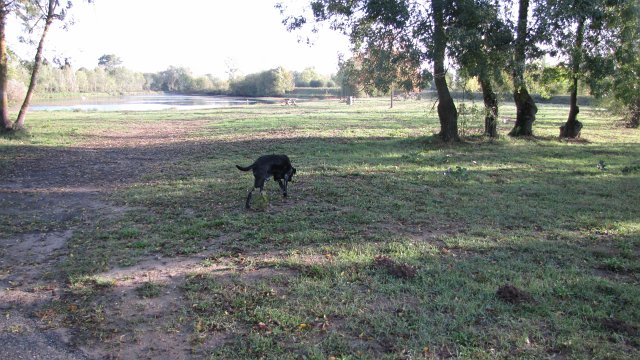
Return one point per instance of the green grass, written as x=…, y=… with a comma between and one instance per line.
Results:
x=538, y=214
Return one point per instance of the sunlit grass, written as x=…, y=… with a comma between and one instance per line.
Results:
x=541, y=214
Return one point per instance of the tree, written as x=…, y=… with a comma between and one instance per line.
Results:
x=420, y=28
x=348, y=77
x=480, y=44
x=34, y=14
x=446, y=108
x=526, y=108
x=6, y=8
x=36, y=11
x=578, y=27
x=274, y=82
x=304, y=78
x=109, y=62
x=625, y=85
x=386, y=65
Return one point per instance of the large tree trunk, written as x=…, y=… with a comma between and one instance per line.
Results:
x=526, y=108
x=447, y=112
x=526, y=111
x=571, y=129
x=5, y=123
x=490, y=108
x=19, y=124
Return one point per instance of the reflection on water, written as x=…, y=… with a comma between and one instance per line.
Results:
x=141, y=103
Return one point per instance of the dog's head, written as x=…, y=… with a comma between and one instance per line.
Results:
x=289, y=175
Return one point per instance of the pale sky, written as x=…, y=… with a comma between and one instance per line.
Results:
x=151, y=35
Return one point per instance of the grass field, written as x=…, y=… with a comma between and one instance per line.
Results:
x=390, y=245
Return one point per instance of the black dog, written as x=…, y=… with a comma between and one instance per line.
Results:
x=278, y=166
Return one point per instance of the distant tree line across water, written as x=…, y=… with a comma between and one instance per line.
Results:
x=110, y=77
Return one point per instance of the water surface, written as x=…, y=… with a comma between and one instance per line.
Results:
x=141, y=103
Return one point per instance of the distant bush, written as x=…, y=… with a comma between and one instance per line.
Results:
x=316, y=83
x=274, y=82
x=15, y=90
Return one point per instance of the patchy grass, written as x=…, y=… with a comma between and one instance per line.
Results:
x=391, y=244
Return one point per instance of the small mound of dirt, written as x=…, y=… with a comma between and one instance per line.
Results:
x=619, y=326
x=399, y=270
x=513, y=295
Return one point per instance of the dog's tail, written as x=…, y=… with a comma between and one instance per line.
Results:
x=245, y=168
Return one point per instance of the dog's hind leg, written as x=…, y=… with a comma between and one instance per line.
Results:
x=258, y=184
x=247, y=204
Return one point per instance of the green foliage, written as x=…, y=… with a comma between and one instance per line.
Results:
x=109, y=78
x=308, y=78
x=626, y=77
x=348, y=77
x=480, y=40
x=548, y=81
x=274, y=82
x=109, y=62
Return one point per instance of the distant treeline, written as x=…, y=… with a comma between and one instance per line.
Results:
x=111, y=78
x=108, y=77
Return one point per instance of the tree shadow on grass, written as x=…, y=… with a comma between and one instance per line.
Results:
x=355, y=198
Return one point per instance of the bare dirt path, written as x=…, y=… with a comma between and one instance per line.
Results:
x=45, y=195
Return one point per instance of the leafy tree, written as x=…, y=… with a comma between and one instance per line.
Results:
x=304, y=78
x=348, y=77
x=481, y=44
x=526, y=108
x=578, y=29
x=274, y=82
x=386, y=65
x=446, y=108
x=174, y=79
x=34, y=14
x=316, y=83
x=109, y=62
x=419, y=28
x=625, y=82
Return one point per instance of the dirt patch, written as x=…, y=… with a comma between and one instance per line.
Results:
x=618, y=326
x=394, y=268
x=23, y=338
x=512, y=295
x=46, y=193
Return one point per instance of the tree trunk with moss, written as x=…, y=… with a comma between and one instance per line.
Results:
x=490, y=108
x=5, y=123
x=571, y=129
x=526, y=108
x=447, y=112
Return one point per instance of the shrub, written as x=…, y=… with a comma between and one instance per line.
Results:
x=316, y=83
x=16, y=90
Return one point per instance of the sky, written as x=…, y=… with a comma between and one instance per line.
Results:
x=202, y=35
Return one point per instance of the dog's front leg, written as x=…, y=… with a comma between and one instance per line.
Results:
x=283, y=187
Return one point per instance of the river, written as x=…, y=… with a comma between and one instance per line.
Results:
x=140, y=103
